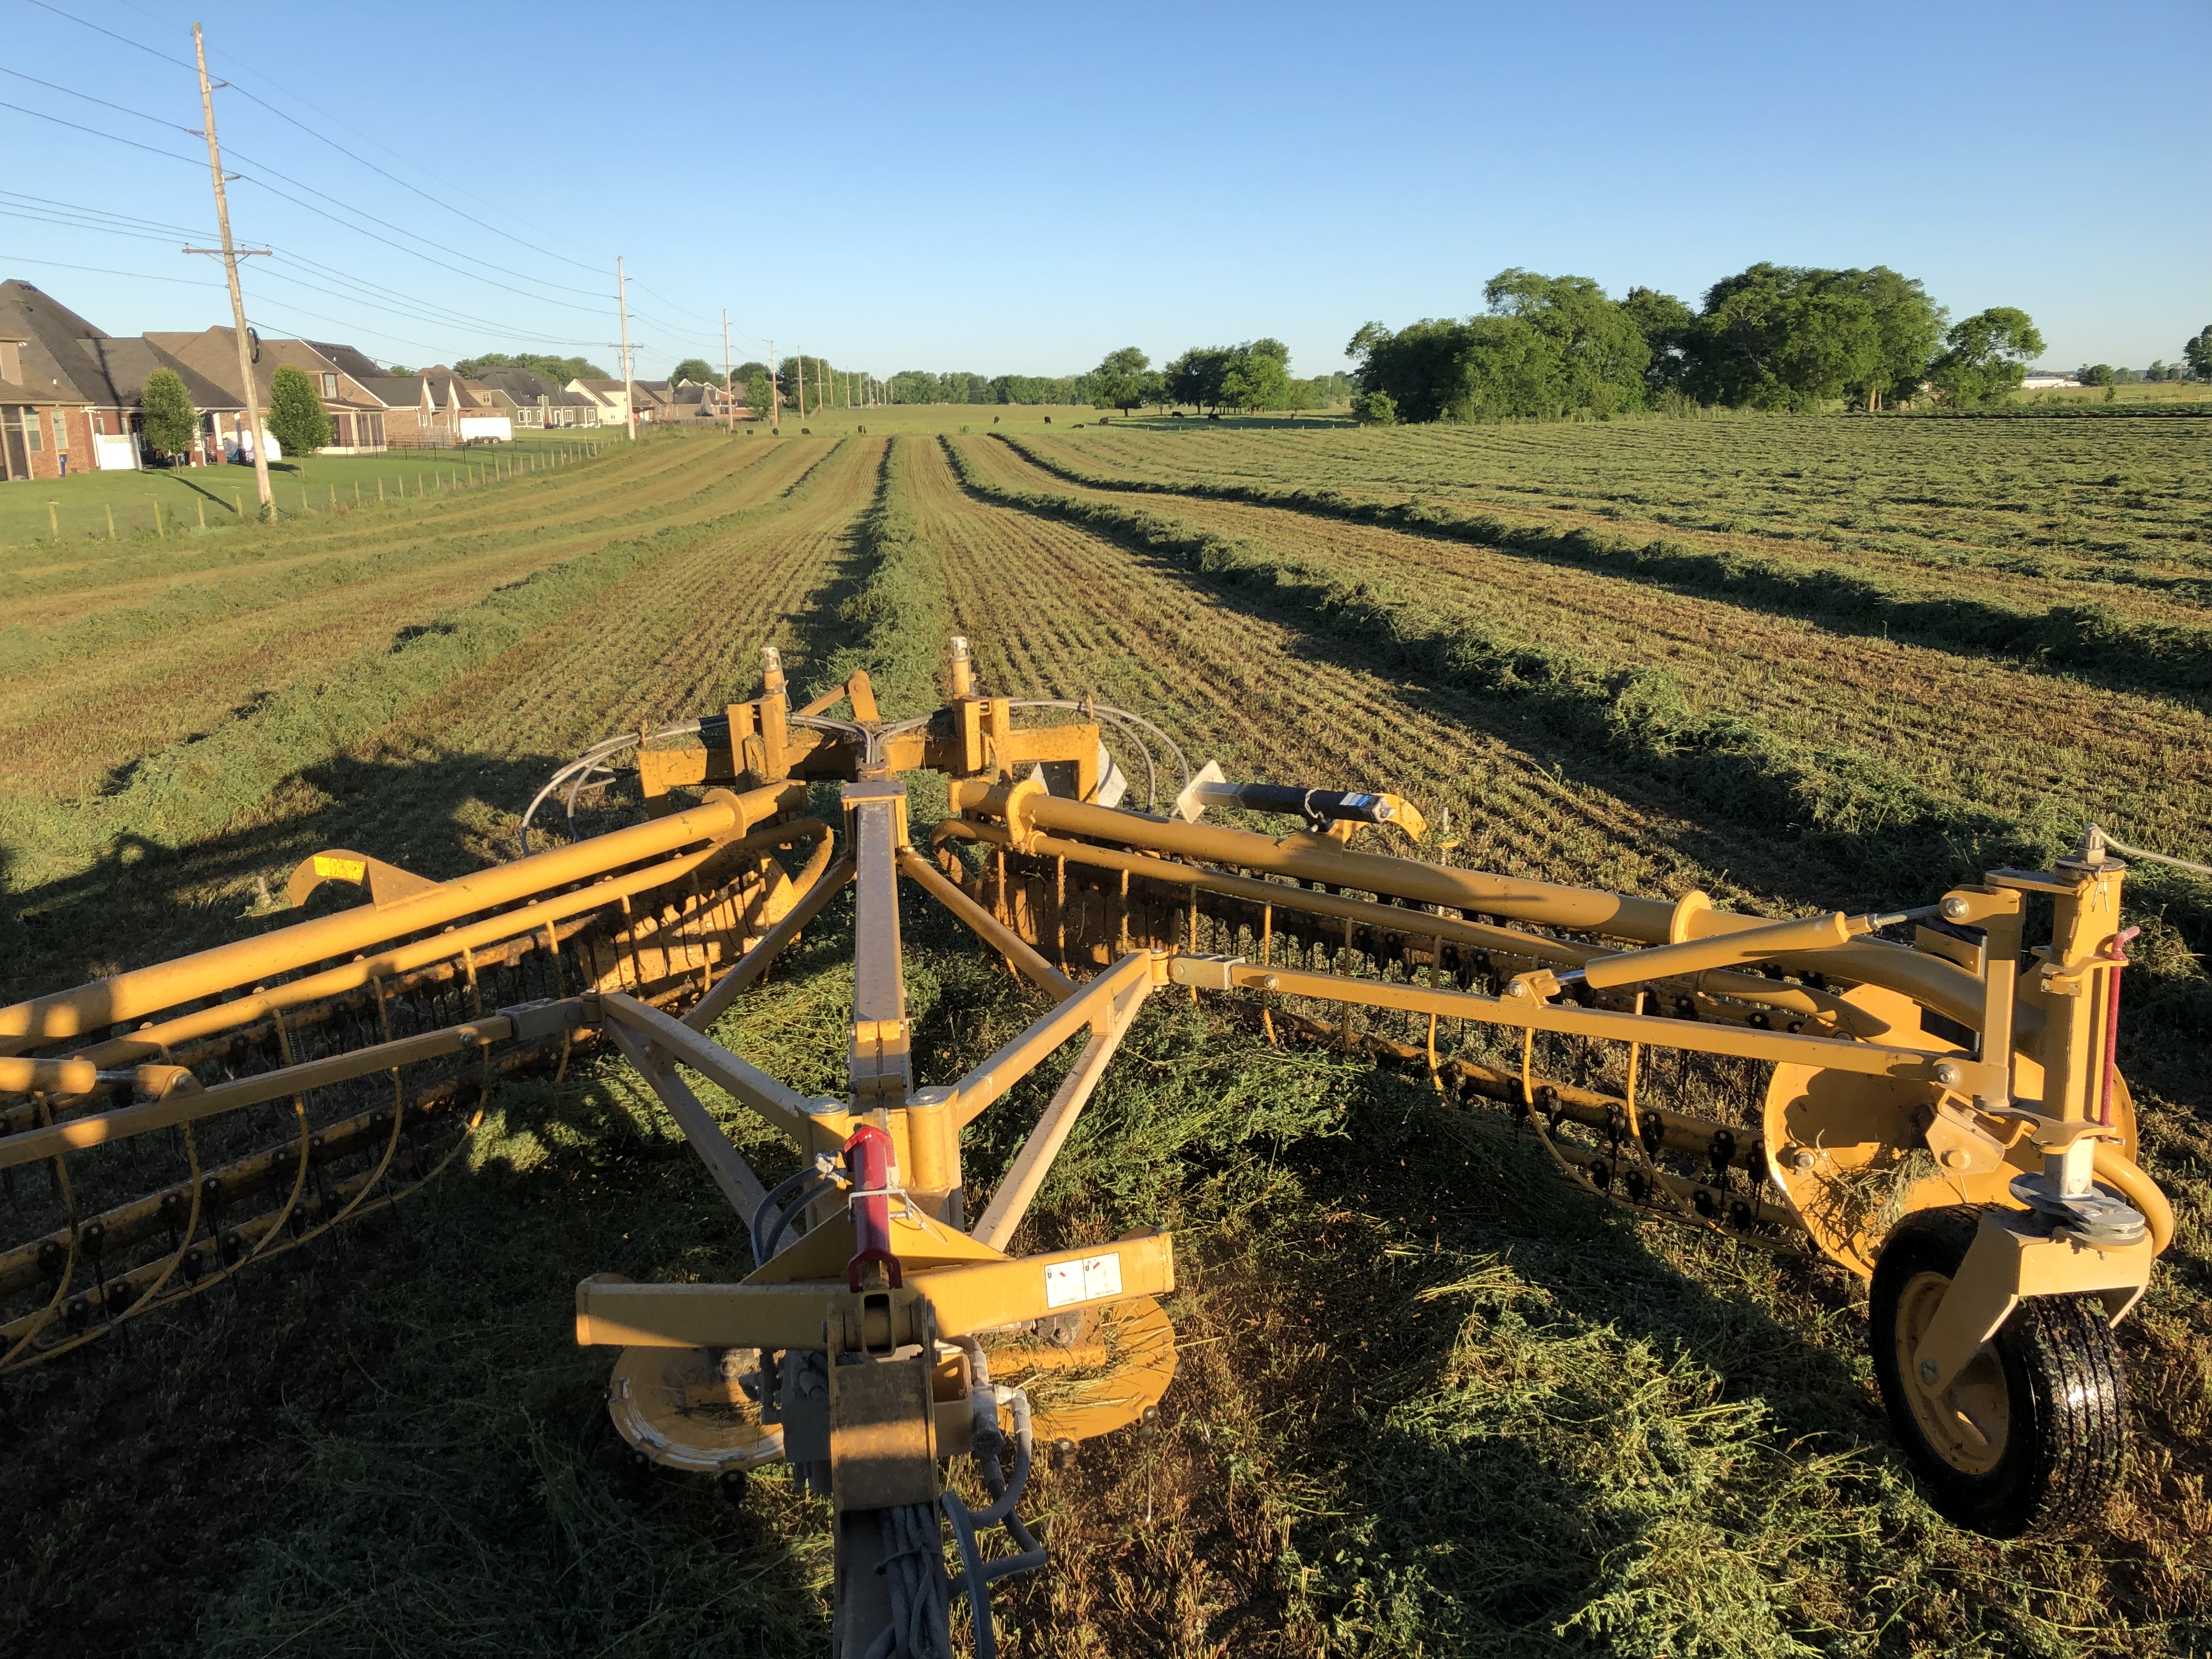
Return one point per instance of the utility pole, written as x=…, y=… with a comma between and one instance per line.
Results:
x=630, y=391
x=799, y=375
x=729, y=408
x=775, y=388
x=237, y=298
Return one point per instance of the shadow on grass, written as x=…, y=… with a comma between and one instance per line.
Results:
x=144, y=901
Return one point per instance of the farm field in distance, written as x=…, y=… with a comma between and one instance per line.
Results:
x=1797, y=662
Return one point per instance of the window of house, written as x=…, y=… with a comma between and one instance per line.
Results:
x=34, y=431
x=60, y=430
x=330, y=386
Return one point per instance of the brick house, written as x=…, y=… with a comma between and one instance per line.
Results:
x=357, y=414
x=72, y=396
x=40, y=427
x=435, y=409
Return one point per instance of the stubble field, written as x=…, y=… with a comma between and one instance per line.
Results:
x=1431, y=1402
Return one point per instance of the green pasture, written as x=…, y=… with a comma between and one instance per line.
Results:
x=927, y=419
x=184, y=500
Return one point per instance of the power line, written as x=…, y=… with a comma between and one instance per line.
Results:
x=72, y=92
x=385, y=173
x=373, y=333
x=112, y=138
x=105, y=213
x=103, y=270
x=300, y=184
x=682, y=333
x=188, y=68
x=414, y=253
x=40, y=217
x=420, y=316
x=297, y=184
x=422, y=309
x=282, y=115
x=542, y=298
x=671, y=304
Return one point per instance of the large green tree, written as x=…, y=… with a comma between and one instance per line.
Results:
x=1985, y=356
x=760, y=394
x=1600, y=353
x=1789, y=337
x=1667, y=325
x=1200, y=377
x=166, y=418
x=1547, y=347
x=697, y=369
x=2197, y=353
x=1118, y=382
x=1257, y=380
x=559, y=370
x=297, y=419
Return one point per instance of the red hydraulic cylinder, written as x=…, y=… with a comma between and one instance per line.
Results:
x=868, y=1156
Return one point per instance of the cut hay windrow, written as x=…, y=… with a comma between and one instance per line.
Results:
x=2094, y=641
x=2027, y=514
x=900, y=611
x=190, y=790
x=1838, y=798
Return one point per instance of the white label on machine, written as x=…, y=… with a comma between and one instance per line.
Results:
x=1093, y=1277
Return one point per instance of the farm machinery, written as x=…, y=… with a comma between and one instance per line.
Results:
x=1924, y=1098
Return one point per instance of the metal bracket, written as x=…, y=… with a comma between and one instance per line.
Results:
x=883, y=1415
x=2008, y=1261
x=1204, y=973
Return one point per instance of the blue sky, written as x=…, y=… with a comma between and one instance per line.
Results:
x=1023, y=188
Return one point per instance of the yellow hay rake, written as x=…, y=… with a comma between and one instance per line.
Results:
x=1917, y=1096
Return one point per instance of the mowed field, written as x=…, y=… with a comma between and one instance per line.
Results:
x=1431, y=1402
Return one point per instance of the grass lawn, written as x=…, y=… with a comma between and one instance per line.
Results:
x=188, y=498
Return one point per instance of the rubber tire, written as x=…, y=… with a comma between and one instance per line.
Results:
x=2065, y=1388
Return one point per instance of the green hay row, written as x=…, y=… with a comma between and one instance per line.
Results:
x=2093, y=640
x=191, y=790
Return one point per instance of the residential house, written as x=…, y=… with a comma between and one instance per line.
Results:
x=42, y=425
x=437, y=409
x=357, y=414
x=697, y=402
x=655, y=400
x=75, y=389
x=611, y=396
x=534, y=403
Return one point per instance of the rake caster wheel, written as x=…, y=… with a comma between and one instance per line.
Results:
x=2031, y=1434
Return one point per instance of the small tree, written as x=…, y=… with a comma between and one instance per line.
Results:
x=2096, y=375
x=297, y=419
x=1375, y=409
x=167, y=416
x=1987, y=357
x=760, y=395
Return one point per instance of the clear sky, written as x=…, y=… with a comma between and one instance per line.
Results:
x=1023, y=188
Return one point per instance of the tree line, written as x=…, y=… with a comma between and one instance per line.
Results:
x=1771, y=338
